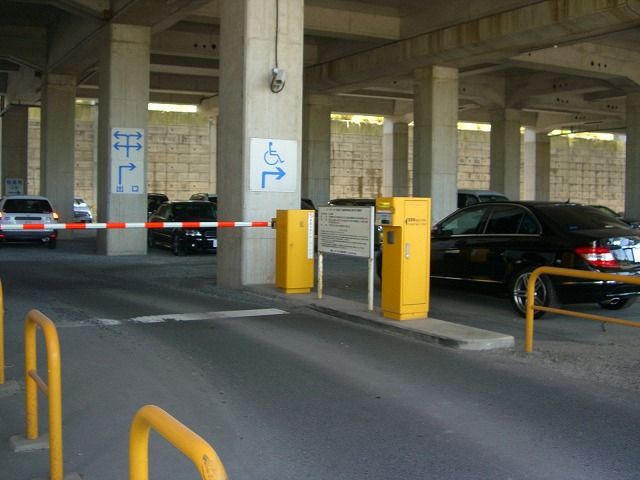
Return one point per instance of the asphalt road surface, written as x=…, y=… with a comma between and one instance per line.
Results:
x=284, y=392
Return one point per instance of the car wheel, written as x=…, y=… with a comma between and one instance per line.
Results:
x=176, y=244
x=52, y=243
x=545, y=294
x=151, y=243
x=618, y=304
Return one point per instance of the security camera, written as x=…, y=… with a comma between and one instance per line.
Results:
x=277, y=80
x=279, y=76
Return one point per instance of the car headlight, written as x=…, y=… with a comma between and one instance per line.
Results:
x=193, y=233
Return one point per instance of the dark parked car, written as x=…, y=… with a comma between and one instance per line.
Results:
x=184, y=240
x=206, y=197
x=154, y=200
x=633, y=223
x=471, y=197
x=503, y=242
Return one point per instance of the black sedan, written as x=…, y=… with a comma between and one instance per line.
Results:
x=503, y=242
x=184, y=240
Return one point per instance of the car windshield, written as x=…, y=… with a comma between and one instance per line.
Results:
x=186, y=211
x=27, y=205
x=577, y=217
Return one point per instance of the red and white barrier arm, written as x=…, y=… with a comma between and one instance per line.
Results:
x=93, y=226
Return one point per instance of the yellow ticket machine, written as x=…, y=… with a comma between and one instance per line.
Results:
x=406, y=225
x=294, y=250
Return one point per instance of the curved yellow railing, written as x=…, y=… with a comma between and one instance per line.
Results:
x=192, y=445
x=567, y=272
x=1, y=336
x=52, y=389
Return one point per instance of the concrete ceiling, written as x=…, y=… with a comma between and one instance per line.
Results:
x=563, y=63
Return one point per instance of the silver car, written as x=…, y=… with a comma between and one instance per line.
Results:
x=27, y=209
x=81, y=211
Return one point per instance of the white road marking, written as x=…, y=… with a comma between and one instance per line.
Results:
x=176, y=317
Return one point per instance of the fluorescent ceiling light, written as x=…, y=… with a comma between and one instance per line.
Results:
x=173, y=107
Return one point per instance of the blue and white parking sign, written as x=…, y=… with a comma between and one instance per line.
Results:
x=273, y=165
x=14, y=186
x=127, y=160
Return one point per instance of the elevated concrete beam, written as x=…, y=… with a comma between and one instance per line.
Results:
x=541, y=84
x=477, y=41
x=24, y=45
x=486, y=91
x=584, y=59
x=362, y=105
x=323, y=21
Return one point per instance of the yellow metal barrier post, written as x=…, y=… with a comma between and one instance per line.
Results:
x=192, y=445
x=406, y=223
x=567, y=272
x=1, y=336
x=294, y=250
x=52, y=389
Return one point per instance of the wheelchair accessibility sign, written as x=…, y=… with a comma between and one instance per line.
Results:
x=273, y=165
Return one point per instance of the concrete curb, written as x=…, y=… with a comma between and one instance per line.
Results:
x=432, y=330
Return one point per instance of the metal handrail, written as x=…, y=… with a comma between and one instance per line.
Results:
x=188, y=442
x=52, y=389
x=2, y=365
x=567, y=272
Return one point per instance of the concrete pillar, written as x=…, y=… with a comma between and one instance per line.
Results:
x=400, y=160
x=504, y=171
x=15, y=134
x=632, y=177
x=57, y=144
x=316, y=149
x=435, y=138
x=529, y=165
x=255, y=37
x=543, y=167
x=213, y=154
x=123, y=113
x=387, y=158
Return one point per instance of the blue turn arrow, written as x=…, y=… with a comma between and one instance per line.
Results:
x=280, y=173
x=129, y=167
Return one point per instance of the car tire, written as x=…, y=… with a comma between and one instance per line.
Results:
x=620, y=304
x=151, y=243
x=545, y=294
x=176, y=245
x=52, y=243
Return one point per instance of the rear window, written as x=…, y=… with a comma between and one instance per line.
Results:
x=27, y=205
x=491, y=198
x=578, y=217
x=187, y=211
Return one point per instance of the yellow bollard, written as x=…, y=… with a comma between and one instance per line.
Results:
x=52, y=389
x=192, y=445
x=1, y=336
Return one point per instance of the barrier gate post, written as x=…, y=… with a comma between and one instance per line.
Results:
x=294, y=250
x=406, y=224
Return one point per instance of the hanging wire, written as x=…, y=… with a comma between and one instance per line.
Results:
x=277, y=83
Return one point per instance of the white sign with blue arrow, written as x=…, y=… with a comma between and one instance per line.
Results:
x=127, y=160
x=273, y=165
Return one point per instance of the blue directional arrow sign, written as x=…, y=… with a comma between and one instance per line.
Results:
x=279, y=173
x=127, y=160
x=273, y=165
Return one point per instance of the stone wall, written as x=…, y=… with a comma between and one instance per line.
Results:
x=356, y=159
x=180, y=163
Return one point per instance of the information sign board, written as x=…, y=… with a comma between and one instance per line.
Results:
x=346, y=230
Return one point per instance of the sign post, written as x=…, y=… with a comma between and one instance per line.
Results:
x=346, y=231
